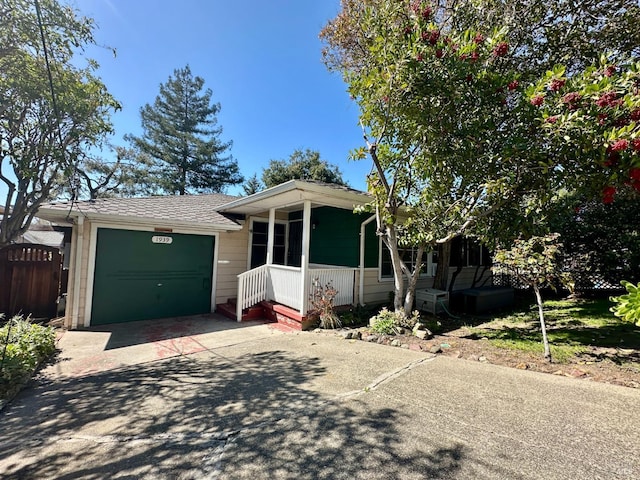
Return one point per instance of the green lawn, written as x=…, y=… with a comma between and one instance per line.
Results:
x=575, y=327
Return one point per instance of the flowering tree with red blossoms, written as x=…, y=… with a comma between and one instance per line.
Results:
x=593, y=120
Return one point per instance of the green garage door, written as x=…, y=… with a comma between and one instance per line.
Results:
x=145, y=275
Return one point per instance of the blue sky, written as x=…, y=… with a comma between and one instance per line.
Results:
x=261, y=59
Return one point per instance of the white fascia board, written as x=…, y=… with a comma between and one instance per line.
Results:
x=308, y=191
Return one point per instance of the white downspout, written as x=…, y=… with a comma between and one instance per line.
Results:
x=362, y=238
x=76, y=272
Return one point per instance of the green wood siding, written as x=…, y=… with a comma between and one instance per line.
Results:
x=335, y=238
x=136, y=279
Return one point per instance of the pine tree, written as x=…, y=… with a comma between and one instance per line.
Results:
x=181, y=135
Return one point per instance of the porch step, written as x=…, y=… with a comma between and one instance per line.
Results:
x=229, y=310
x=274, y=312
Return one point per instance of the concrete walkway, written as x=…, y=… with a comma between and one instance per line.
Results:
x=209, y=398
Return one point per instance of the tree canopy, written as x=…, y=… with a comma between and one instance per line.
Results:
x=181, y=135
x=301, y=165
x=51, y=109
x=452, y=136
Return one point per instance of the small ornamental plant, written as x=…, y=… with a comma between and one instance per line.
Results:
x=322, y=303
x=390, y=322
x=627, y=306
x=534, y=262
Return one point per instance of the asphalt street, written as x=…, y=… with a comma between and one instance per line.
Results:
x=206, y=398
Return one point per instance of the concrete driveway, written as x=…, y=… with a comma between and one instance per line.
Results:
x=208, y=398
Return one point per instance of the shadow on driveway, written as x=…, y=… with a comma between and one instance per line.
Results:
x=208, y=416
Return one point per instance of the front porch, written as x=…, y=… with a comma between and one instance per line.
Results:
x=299, y=237
x=274, y=292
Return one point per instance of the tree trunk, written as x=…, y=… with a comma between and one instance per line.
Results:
x=441, y=279
x=543, y=326
x=391, y=241
x=413, y=281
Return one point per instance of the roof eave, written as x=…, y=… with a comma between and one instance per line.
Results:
x=70, y=217
x=243, y=205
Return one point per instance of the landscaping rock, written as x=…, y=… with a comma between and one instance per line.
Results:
x=370, y=338
x=415, y=347
x=395, y=342
x=421, y=331
x=522, y=366
x=405, y=345
x=473, y=358
x=483, y=359
x=435, y=349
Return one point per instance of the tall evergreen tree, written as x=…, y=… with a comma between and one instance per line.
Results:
x=181, y=135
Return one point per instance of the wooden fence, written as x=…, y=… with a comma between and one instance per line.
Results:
x=29, y=280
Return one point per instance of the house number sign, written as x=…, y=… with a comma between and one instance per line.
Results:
x=162, y=239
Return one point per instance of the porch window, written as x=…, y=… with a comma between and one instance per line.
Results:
x=259, y=239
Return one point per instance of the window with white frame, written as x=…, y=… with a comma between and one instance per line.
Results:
x=408, y=256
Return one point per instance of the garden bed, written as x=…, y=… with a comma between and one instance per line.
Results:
x=587, y=341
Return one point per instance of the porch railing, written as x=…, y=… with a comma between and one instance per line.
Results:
x=281, y=284
x=342, y=279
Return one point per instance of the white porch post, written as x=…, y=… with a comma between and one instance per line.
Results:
x=304, y=261
x=271, y=233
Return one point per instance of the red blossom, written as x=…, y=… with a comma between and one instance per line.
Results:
x=469, y=78
x=501, y=49
x=635, y=115
x=513, y=85
x=602, y=118
x=426, y=13
x=609, y=70
x=609, y=99
x=620, y=145
x=478, y=39
x=434, y=35
x=464, y=56
x=571, y=98
x=474, y=57
x=537, y=100
x=636, y=185
x=419, y=57
x=408, y=30
x=612, y=158
x=552, y=119
x=635, y=144
x=608, y=194
x=557, y=84
x=439, y=53
x=634, y=174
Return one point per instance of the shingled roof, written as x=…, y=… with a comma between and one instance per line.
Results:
x=196, y=209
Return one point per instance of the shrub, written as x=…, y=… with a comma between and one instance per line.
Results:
x=322, y=303
x=628, y=306
x=389, y=322
x=23, y=345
